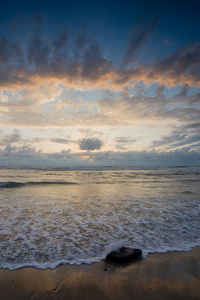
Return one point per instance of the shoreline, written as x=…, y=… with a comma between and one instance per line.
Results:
x=172, y=275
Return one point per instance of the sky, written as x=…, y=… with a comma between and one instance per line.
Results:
x=100, y=83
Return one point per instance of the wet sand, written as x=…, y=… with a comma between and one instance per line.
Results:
x=160, y=276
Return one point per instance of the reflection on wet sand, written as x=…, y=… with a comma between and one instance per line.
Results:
x=159, y=276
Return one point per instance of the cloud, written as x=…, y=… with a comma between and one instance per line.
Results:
x=128, y=109
x=60, y=140
x=141, y=32
x=14, y=137
x=77, y=61
x=94, y=65
x=61, y=42
x=121, y=142
x=178, y=151
x=185, y=62
x=23, y=155
x=31, y=99
x=186, y=135
x=43, y=107
x=14, y=142
x=90, y=144
x=179, y=157
x=53, y=59
x=81, y=43
x=10, y=51
x=38, y=54
x=23, y=152
x=183, y=97
x=90, y=132
x=125, y=140
x=177, y=69
x=63, y=141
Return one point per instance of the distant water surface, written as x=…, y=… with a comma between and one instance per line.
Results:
x=74, y=215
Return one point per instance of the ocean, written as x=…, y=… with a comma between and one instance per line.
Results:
x=73, y=215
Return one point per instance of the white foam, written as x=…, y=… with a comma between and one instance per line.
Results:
x=114, y=246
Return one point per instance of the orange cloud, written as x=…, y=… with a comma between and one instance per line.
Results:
x=93, y=71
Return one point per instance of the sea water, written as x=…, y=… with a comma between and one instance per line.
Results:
x=65, y=215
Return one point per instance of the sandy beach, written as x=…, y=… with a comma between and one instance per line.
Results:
x=160, y=276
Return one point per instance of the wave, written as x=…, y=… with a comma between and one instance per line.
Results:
x=22, y=184
x=100, y=168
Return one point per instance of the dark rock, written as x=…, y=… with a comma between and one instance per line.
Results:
x=124, y=254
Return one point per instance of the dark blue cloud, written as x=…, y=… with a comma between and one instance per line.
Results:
x=141, y=33
x=90, y=144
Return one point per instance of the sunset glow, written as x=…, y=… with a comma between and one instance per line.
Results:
x=100, y=83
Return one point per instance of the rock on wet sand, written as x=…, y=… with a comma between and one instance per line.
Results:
x=124, y=254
